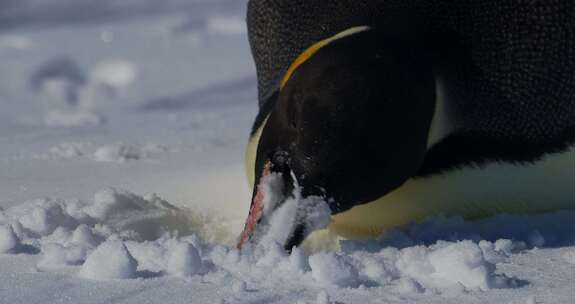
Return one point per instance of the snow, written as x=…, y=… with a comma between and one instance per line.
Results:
x=8, y=239
x=123, y=128
x=111, y=260
x=115, y=73
x=285, y=214
x=122, y=152
x=329, y=268
x=322, y=297
x=184, y=260
x=239, y=286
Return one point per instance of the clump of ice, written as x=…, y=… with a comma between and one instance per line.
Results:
x=569, y=256
x=239, y=286
x=298, y=260
x=66, y=150
x=122, y=152
x=67, y=118
x=8, y=239
x=184, y=260
x=41, y=217
x=61, y=79
x=79, y=226
x=530, y=300
x=117, y=152
x=111, y=260
x=331, y=269
x=322, y=297
x=280, y=219
x=56, y=255
x=84, y=235
x=408, y=285
x=114, y=73
x=461, y=263
x=450, y=265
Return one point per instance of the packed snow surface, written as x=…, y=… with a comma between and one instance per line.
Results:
x=122, y=133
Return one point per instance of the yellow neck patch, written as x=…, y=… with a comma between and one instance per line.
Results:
x=309, y=52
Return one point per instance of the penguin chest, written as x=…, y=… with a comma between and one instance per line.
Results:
x=471, y=193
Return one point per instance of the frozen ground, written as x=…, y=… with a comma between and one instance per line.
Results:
x=121, y=178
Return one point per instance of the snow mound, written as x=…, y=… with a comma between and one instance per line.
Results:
x=281, y=216
x=322, y=298
x=122, y=152
x=66, y=151
x=8, y=239
x=116, y=152
x=114, y=73
x=71, y=96
x=329, y=268
x=121, y=235
x=111, y=260
x=112, y=212
x=185, y=260
x=65, y=118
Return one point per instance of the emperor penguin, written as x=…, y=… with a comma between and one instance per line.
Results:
x=397, y=110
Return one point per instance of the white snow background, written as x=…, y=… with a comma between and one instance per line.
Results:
x=122, y=134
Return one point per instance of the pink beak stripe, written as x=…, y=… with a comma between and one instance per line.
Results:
x=256, y=210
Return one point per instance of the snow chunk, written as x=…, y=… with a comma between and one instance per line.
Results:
x=569, y=256
x=43, y=216
x=407, y=285
x=115, y=73
x=56, y=255
x=184, y=261
x=64, y=151
x=322, y=297
x=298, y=260
x=122, y=152
x=461, y=263
x=116, y=153
x=450, y=265
x=111, y=260
x=331, y=269
x=8, y=239
x=66, y=118
x=84, y=236
x=281, y=221
x=530, y=300
x=239, y=286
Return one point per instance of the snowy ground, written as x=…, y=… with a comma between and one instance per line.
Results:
x=122, y=181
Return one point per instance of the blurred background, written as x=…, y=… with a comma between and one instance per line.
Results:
x=143, y=95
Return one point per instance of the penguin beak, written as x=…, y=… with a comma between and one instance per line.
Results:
x=278, y=213
x=256, y=209
x=274, y=188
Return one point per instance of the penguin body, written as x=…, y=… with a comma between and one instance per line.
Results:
x=492, y=88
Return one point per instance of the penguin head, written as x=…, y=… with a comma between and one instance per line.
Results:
x=350, y=123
